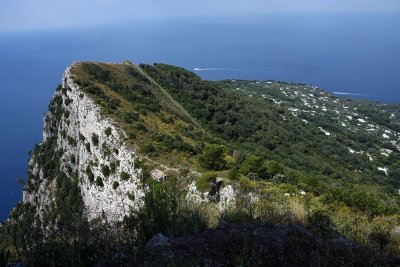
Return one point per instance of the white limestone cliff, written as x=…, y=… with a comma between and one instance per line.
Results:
x=80, y=122
x=83, y=121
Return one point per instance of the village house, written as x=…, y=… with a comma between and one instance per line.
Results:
x=158, y=175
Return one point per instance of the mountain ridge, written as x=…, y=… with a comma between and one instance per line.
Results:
x=265, y=151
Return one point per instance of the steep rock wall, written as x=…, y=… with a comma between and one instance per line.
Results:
x=92, y=150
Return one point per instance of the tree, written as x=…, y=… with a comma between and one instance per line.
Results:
x=252, y=164
x=274, y=167
x=212, y=157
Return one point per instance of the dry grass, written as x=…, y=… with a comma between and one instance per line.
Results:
x=151, y=121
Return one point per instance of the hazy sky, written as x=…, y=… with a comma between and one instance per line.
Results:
x=17, y=15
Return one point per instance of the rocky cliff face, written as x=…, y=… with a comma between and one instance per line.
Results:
x=92, y=151
x=84, y=157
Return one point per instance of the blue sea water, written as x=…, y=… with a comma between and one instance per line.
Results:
x=351, y=53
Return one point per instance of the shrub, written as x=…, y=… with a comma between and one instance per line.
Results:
x=131, y=196
x=91, y=177
x=107, y=131
x=130, y=117
x=105, y=170
x=95, y=139
x=140, y=127
x=184, y=172
x=105, y=149
x=99, y=181
x=321, y=224
x=87, y=145
x=113, y=166
x=212, y=157
x=73, y=159
x=89, y=174
x=381, y=228
x=68, y=101
x=71, y=141
x=166, y=211
x=63, y=134
x=233, y=174
x=274, y=168
x=124, y=176
x=94, y=90
x=251, y=164
x=204, y=183
x=147, y=148
x=131, y=135
x=115, y=185
x=246, y=184
x=355, y=198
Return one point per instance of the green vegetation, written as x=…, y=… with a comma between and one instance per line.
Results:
x=105, y=170
x=212, y=157
x=205, y=181
x=107, y=131
x=146, y=113
x=294, y=154
x=95, y=139
x=99, y=181
x=87, y=145
x=165, y=211
x=124, y=176
x=130, y=117
x=23, y=238
x=278, y=146
x=356, y=199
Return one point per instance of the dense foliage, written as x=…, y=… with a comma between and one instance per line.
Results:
x=276, y=142
x=289, y=165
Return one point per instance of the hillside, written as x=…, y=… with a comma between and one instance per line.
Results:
x=259, y=154
x=328, y=142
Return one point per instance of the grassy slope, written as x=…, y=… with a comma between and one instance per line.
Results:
x=160, y=109
x=169, y=97
x=258, y=118
x=267, y=119
x=157, y=111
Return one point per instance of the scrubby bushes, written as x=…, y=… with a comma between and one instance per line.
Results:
x=251, y=164
x=99, y=181
x=115, y=185
x=165, y=211
x=212, y=157
x=107, y=131
x=130, y=117
x=147, y=148
x=168, y=143
x=105, y=170
x=355, y=198
x=204, y=182
x=95, y=139
x=124, y=176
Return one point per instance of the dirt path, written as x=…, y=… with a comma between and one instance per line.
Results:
x=161, y=165
x=177, y=104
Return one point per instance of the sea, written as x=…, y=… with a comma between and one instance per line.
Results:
x=354, y=54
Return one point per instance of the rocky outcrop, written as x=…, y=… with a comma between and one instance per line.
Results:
x=224, y=196
x=157, y=241
x=93, y=151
